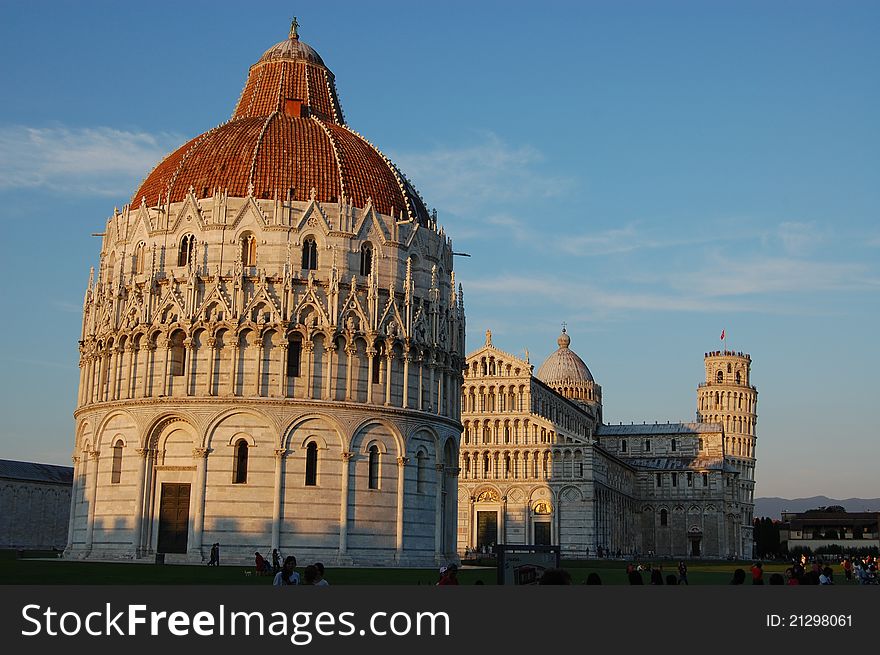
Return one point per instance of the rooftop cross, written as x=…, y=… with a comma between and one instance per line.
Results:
x=294, y=24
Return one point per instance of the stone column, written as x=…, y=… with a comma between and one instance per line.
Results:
x=189, y=350
x=211, y=344
x=113, y=384
x=502, y=522
x=406, y=359
x=349, y=351
x=144, y=454
x=83, y=370
x=280, y=455
x=389, y=370
x=308, y=350
x=233, y=366
x=528, y=524
x=438, y=513
x=441, y=388
x=92, y=496
x=556, y=521
x=432, y=386
x=258, y=380
x=328, y=383
x=165, y=366
x=343, y=505
x=198, y=502
x=401, y=481
x=74, y=490
x=472, y=528
x=90, y=381
x=420, y=360
x=148, y=349
x=131, y=380
x=371, y=361
x=282, y=373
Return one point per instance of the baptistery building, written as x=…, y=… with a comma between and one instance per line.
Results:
x=272, y=347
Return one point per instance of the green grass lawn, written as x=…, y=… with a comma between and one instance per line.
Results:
x=29, y=570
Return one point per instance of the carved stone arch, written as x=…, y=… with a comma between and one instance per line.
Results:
x=105, y=420
x=393, y=429
x=373, y=441
x=215, y=421
x=487, y=493
x=425, y=427
x=648, y=509
x=541, y=492
x=694, y=509
x=241, y=434
x=301, y=421
x=308, y=315
x=678, y=509
x=161, y=422
x=84, y=436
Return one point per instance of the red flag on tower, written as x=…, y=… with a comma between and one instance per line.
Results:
x=722, y=335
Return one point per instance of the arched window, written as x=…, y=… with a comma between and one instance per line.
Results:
x=738, y=378
x=647, y=445
x=187, y=250
x=311, y=464
x=420, y=471
x=374, y=468
x=376, y=366
x=177, y=352
x=659, y=480
x=705, y=479
x=117, y=463
x=366, y=259
x=701, y=443
x=248, y=253
x=664, y=517
x=719, y=378
x=310, y=254
x=623, y=446
x=674, y=479
x=239, y=473
x=140, y=254
x=294, y=354
x=674, y=445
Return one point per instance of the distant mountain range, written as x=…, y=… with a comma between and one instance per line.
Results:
x=773, y=507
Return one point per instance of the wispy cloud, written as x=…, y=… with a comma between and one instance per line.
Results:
x=799, y=238
x=723, y=276
x=485, y=173
x=95, y=161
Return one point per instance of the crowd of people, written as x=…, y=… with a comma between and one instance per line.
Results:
x=803, y=571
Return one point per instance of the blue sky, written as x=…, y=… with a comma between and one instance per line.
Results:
x=649, y=172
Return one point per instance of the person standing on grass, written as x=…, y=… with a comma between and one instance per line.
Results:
x=757, y=573
x=320, y=582
x=287, y=575
x=682, y=572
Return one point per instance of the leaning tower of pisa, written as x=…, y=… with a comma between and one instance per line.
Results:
x=728, y=397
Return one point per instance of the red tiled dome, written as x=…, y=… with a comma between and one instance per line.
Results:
x=287, y=136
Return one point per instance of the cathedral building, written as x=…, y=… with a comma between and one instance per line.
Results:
x=272, y=347
x=540, y=466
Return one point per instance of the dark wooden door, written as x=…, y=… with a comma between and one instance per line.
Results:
x=542, y=533
x=487, y=529
x=173, y=518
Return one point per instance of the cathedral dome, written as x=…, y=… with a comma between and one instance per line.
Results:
x=564, y=367
x=287, y=139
